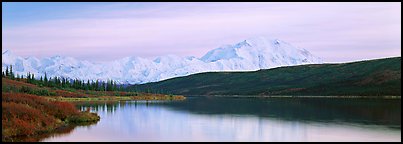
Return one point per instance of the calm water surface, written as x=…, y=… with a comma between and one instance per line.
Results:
x=241, y=119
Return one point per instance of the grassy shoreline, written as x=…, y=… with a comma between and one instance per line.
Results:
x=116, y=98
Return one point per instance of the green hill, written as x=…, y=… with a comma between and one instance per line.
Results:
x=380, y=77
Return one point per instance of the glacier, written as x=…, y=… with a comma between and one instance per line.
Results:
x=248, y=55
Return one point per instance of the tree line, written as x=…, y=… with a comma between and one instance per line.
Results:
x=61, y=82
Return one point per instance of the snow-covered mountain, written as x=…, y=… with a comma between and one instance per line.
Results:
x=248, y=55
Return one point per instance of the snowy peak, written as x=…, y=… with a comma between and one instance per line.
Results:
x=247, y=55
x=262, y=52
x=223, y=53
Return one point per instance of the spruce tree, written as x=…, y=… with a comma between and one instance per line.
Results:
x=41, y=80
x=59, y=82
x=11, y=72
x=75, y=83
x=93, y=85
x=78, y=84
x=68, y=85
x=45, y=79
x=97, y=86
x=103, y=86
x=109, y=86
x=82, y=85
x=87, y=87
x=33, y=78
x=63, y=83
x=28, y=77
x=115, y=86
x=7, y=72
x=55, y=81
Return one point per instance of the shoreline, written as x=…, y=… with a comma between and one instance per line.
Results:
x=115, y=98
x=286, y=96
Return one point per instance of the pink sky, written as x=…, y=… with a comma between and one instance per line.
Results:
x=337, y=32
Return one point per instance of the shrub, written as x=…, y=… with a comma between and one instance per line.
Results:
x=25, y=89
x=39, y=92
x=21, y=119
x=25, y=114
x=84, y=117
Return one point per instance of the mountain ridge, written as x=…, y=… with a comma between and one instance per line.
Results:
x=247, y=55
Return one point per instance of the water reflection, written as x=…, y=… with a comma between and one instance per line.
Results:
x=59, y=132
x=363, y=111
x=219, y=119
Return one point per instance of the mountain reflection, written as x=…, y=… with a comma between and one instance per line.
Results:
x=241, y=119
x=362, y=111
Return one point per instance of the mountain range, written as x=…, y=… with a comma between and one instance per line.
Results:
x=248, y=55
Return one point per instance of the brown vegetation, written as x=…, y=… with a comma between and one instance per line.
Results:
x=24, y=114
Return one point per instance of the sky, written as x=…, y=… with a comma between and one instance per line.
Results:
x=102, y=31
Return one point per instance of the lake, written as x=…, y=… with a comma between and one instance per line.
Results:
x=241, y=119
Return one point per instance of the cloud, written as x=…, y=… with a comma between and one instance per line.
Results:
x=152, y=29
